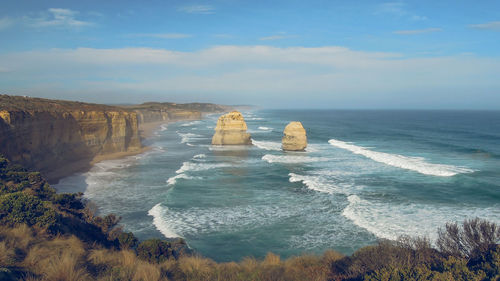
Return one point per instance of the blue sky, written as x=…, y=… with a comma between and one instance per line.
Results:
x=316, y=54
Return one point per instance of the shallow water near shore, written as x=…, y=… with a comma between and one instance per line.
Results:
x=365, y=175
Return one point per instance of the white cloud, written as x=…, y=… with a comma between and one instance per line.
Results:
x=163, y=35
x=222, y=35
x=328, y=76
x=492, y=25
x=276, y=37
x=198, y=9
x=6, y=22
x=398, y=9
x=57, y=17
x=418, y=31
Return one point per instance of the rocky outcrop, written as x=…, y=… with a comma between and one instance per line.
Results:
x=294, y=137
x=51, y=136
x=231, y=129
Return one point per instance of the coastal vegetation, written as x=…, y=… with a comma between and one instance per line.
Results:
x=50, y=236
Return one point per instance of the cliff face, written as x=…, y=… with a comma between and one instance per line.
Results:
x=48, y=135
x=231, y=129
x=157, y=115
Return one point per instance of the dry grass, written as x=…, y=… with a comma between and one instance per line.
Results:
x=20, y=237
x=7, y=254
x=271, y=259
x=65, y=267
x=147, y=272
x=330, y=256
x=305, y=267
x=196, y=268
x=40, y=255
x=66, y=258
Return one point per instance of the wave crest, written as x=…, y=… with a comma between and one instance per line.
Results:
x=157, y=212
x=416, y=164
x=267, y=145
x=292, y=159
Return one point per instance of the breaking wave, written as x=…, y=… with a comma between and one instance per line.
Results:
x=267, y=145
x=292, y=159
x=390, y=220
x=410, y=163
x=157, y=212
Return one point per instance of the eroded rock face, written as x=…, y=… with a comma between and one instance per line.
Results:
x=231, y=129
x=294, y=137
x=45, y=135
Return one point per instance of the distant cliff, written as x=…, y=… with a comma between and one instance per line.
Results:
x=61, y=137
x=167, y=111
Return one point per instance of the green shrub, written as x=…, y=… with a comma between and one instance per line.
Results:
x=16, y=208
x=106, y=223
x=155, y=250
x=127, y=240
x=68, y=200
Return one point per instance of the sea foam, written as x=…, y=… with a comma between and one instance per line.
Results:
x=173, y=180
x=313, y=182
x=267, y=145
x=157, y=212
x=190, y=123
x=265, y=128
x=390, y=220
x=416, y=164
x=188, y=137
x=292, y=159
x=190, y=166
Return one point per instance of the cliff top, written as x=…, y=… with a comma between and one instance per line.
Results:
x=202, y=107
x=23, y=103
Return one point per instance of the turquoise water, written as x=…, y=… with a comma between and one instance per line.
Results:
x=365, y=175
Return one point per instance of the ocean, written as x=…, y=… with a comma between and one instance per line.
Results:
x=365, y=175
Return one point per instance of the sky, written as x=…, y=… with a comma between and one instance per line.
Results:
x=273, y=54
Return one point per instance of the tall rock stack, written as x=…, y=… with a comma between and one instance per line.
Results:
x=231, y=129
x=294, y=137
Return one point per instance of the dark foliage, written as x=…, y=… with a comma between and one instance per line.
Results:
x=16, y=208
x=127, y=240
x=68, y=200
x=469, y=240
x=155, y=250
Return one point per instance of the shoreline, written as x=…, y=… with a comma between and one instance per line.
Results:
x=146, y=131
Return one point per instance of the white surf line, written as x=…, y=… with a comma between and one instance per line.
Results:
x=157, y=212
x=267, y=145
x=404, y=162
x=292, y=159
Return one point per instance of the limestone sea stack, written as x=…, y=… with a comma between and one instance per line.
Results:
x=231, y=129
x=294, y=137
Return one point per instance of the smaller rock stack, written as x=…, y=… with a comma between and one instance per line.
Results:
x=294, y=137
x=231, y=129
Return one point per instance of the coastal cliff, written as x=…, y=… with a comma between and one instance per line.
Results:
x=167, y=111
x=59, y=137
x=62, y=137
